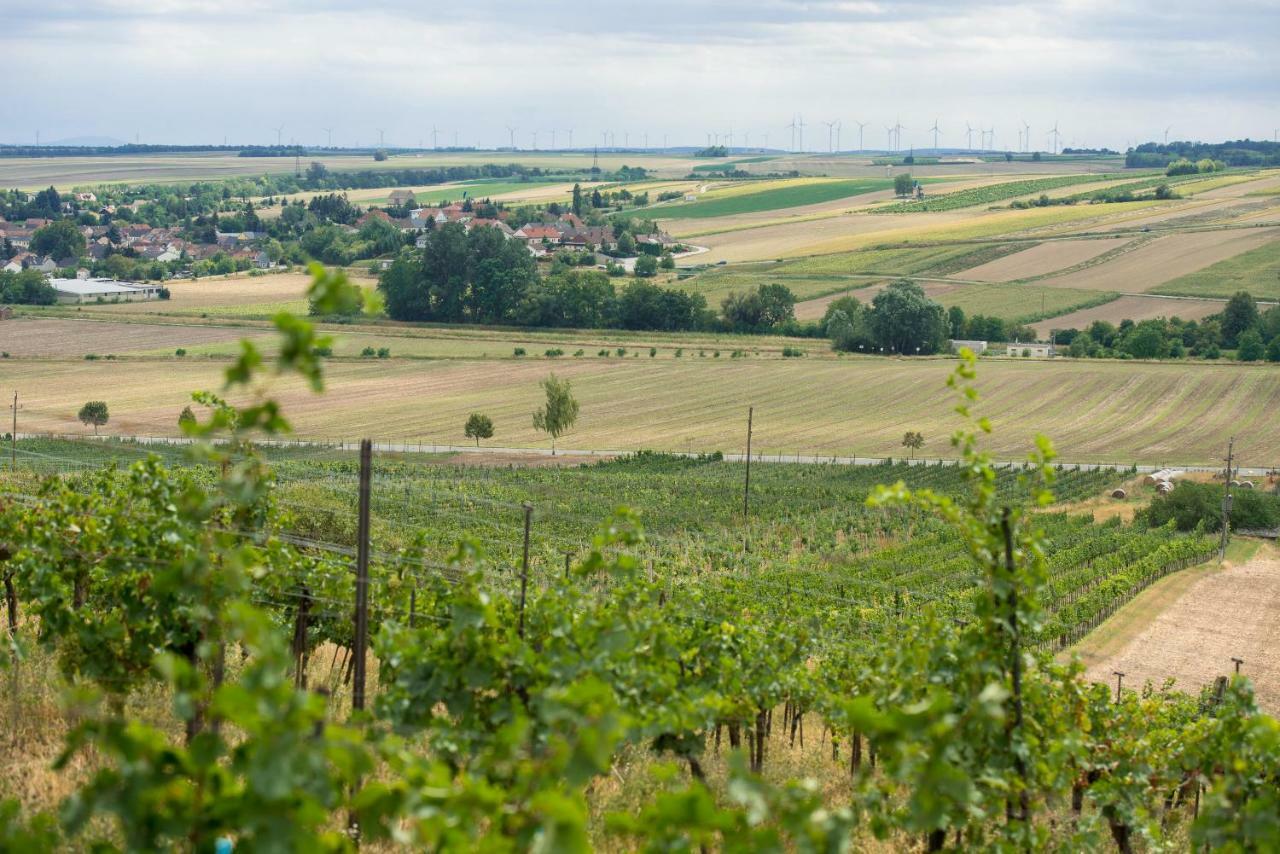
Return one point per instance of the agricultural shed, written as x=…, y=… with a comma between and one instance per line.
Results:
x=91, y=290
x=1030, y=349
x=978, y=347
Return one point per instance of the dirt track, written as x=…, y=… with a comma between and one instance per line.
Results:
x=1199, y=624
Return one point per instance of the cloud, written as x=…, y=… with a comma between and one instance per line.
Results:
x=196, y=71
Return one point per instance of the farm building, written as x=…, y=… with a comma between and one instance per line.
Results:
x=1031, y=350
x=107, y=290
x=978, y=347
x=400, y=198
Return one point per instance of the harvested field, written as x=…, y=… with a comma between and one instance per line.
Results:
x=1041, y=259
x=1133, y=308
x=1189, y=628
x=1256, y=271
x=1094, y=411
x=1163, y=259
x=259, y=295
x=46, y=337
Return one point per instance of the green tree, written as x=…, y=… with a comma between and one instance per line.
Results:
x=577, y=200
x=61, y=239
x=914, y=440
x=1146, y=341
x=1240, y=314
x=626, y=243
x=1250, y=347
x=955, y=321
x=185, y=417
x=646, y=266
x=559, y=412
x=479, y=426
x=668, y=261
x=902, y=184
x=94, y=412
x=904, y=320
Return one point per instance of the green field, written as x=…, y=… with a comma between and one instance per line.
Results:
x=1256, y=271
x=808, y=193
x=994, y=193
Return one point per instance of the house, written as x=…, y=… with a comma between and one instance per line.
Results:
x=86, y=197
x=978, y=347
x=45, y=264
x=105, y=290
x=1030, y=350
x=535, y=233
x=14, y=264
x=400, y=198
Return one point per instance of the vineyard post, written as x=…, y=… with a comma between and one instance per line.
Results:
x=1226, y=503
x=746, y=486
x=524, y=564
x=1119, y=682
x=568, y=555
x=13, y=436
x=360, y=644
x=1238, y=662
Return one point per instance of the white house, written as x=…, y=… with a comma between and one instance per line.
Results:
x=1030, y=350
x=978, y=347
x=107, y=290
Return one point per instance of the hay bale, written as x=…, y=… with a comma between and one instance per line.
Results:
x=1164, y=487
x=1119, y=493
x=1246, y=484
x=1235, y=483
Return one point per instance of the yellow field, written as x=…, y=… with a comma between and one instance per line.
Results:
x=1093, y=410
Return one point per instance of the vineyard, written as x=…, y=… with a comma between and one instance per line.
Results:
x=994, y=193
x=648, y=653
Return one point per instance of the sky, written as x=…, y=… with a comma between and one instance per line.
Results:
x=204, y=71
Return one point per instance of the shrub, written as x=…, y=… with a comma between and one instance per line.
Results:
x=579, y=352
x=792, y=352
x=368, y=352
x=653, y=352
x=622, y=351
x=1200, y=504
x=325, y=352
x=181, y=351
x=554, y=353
x=519, y=351
x=679, y=352
x=91, y=357
x=384, y=352
x=604, y=353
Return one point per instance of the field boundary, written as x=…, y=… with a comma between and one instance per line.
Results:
x=800, y=458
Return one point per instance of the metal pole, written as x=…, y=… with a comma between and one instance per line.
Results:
x=360, y=645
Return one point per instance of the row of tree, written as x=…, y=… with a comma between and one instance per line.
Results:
x=1254, y=335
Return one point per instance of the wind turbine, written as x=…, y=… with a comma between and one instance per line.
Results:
x=279, y=131
x=382, y=138
x=935, y=135
x=968, y=133
x=1166, y=134
x=889, y=143
x=897, y=129
x=839, y=126
x=328, y=131
x=792, y=127
x=511, y=133
x=1054, y=133
x=801, y=127
x=831, y=129
x=571, y=137
x=1027, y=134
x=861, y=126
x=991, y=138
x=434, y=134
x=553, y=139
x=534, y=134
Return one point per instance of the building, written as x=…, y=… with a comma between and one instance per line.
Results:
x=978, y=347
x=400, y=198
x=1030, y=350
x=102, y=290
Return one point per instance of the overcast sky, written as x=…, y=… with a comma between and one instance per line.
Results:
x=196, y=71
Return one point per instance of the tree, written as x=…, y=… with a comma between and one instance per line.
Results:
x=94, y=412
x=186, y=416
x=913, y=440
x=1240, y=314
x=646, y=265
x=560, y=411
x=955, y=321
x=478, y=427
x=763, y=308
x=626, y=243
x=668, y=261
x=902, y=184
x=1250, y=349
x=906, y=321
x=577, y=200
x=61, y=239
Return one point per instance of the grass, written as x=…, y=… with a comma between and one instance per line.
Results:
x=994, y=193
x=1256, y=271
x=1020, y=303
x=1094, y=411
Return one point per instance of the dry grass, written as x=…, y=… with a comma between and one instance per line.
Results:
x=1093, y=410
x=1041, y=259
x=45, y=337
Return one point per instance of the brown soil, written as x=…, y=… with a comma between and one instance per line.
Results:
x=1042, y=258
x=1190, y=626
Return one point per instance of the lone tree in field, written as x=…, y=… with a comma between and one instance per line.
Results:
x=559, y=412
x=914, y=441
x=185, y=417
x=479, y=427
x=902, y=184
x=94, y=412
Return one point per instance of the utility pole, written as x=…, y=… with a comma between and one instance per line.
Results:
x=361, y=642
x=1226, y=503
x=13, y=436
x=524, y=565
x=746, y=487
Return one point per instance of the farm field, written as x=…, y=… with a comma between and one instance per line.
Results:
x=1015, y=302
x=1191, y=633
x=1133, y=308
x=794, y=194
x=49, y=337
x=1040, y=259
x=1255, y=270
x=1094, y=411
x=1163, y=259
